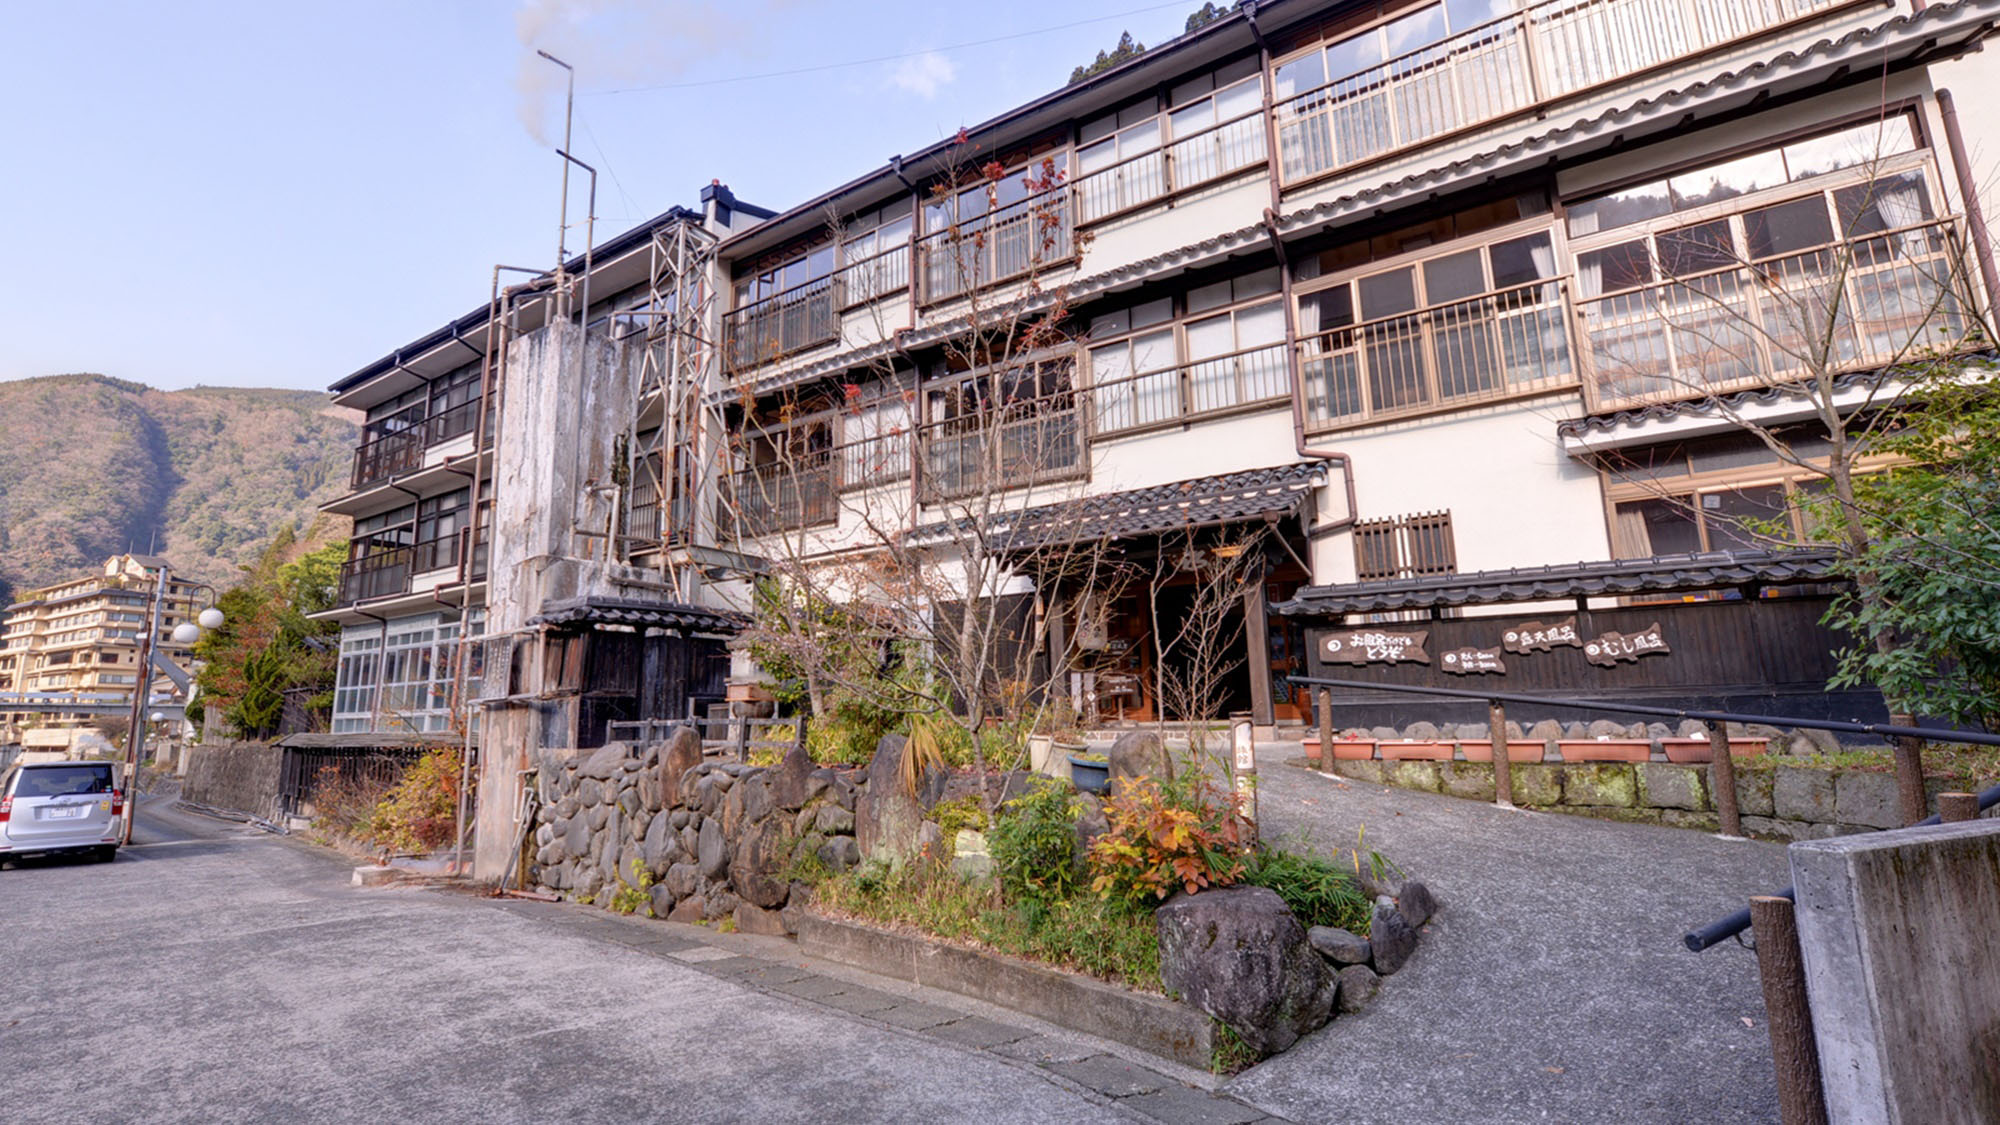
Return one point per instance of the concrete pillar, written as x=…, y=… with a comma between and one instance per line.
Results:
x=1901, y=937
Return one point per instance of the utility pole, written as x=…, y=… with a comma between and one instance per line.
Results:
x=142, y=695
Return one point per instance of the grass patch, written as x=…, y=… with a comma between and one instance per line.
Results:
x=1107, y=940
x=1227, y=1052
x=1318, y=892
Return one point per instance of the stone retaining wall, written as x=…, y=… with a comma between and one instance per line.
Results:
x=657, y=830
x=239, y=777
x=1776, y=800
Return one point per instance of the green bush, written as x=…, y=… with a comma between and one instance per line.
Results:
x=1317, y=891
x=1033, y=843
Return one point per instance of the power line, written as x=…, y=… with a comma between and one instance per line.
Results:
x=884, y=58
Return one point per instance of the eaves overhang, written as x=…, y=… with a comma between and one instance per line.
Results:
x=1938, y=31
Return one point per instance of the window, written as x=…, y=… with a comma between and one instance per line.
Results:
x=875, y=441
x=1404, y=547
x=354, y=683
x=1135, y=381
x=453, y=409
x=379, y=555
x=1464, y=325
x=876, y=254
x=1687, y=295
x=1118, y=161
x=1228, y=352
x=783, y=308
x=439, y=521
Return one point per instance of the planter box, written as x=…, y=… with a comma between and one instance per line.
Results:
x=1518, y=750
x=1696, y=751
x=1413, y=750
x=1605, y=749
x=1344, y=750
x=1311, y=747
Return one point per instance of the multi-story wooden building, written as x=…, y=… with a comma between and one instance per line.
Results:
x=1410, y=291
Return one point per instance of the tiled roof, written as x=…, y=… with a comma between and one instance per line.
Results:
x=1200, y=502
x=1726, y=405
x=624, y=611
x=1970, y=20
x=1710, y=570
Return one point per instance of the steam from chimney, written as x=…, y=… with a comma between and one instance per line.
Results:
x=621, y=42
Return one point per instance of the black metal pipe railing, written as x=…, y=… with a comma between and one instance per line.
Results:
x=1722, y=929
x=1725, y=928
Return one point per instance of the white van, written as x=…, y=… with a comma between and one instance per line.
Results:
x=60, y=807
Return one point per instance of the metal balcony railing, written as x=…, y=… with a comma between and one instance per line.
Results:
x=1494, y=346
x=804, y=316
x=995, y=247
x=1206, y=386
x=785, y=496
x=1025, y=444
x=1539, y=54
x=1185, y=162
x=376, y=575
x=1863, y=302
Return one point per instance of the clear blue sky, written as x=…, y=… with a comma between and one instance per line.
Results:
x=273, y=194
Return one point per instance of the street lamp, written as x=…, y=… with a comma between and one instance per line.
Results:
x=185, y=633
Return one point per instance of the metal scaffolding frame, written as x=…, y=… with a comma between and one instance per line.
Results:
x=676, y=366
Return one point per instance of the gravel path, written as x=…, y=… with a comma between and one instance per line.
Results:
x=1552, y=986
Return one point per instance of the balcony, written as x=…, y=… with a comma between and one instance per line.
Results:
x=1541, y=54
x=376, y=575
x=786, y=496
x=390, y=455
x=990, y=453
x=1488, y=348
x=802, y=317
x=1866, y=302
x=1209, y=386
x=1198, y=158
x=1005, y=244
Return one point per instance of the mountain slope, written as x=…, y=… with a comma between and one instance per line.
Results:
x=91, y=466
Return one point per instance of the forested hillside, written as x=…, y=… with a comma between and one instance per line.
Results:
x=91, y=466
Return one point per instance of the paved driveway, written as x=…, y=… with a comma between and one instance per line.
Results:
x=1552, y=986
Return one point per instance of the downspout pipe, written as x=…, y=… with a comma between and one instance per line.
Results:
x=1968, y=187
x=1329, y=456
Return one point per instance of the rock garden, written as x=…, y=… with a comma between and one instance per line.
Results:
x=1160, y=889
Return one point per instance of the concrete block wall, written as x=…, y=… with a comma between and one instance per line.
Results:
x=240, y=777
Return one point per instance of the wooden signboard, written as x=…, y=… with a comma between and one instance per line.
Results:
x=1471, y=661
x=1610, y=647
x=1374, y=646
x=1533, y=636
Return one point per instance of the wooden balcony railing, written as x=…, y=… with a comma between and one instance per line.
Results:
x=785, y=496
x=1208, y=386
x=1026, y=444
x=1005, y=244
x=1870, y=301
x=1200, y=157
x=804, y=316
x=1486, y=348
x=1543, y=52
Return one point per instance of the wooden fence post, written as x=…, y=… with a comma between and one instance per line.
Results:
x=1503, y=770
x=1325, y=709
x=1956, y=807
x=1787, y=1016
x=1722, y=780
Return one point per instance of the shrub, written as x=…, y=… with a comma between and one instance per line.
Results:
x=1317, y=891
x=1184, y=835
x=1033, y=843
x=420, y=812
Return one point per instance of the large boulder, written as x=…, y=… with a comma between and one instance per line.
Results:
x=1137, y=754
x=713, y=851
x=756, y=871
x=792, y=782
x=887, y=819
x=605, y=761
x=1239, y=955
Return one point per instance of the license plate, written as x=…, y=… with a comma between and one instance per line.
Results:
x=63, y=812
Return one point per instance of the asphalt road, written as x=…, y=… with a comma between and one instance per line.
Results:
x=215, y=973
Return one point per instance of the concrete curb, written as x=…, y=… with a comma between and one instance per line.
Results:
x=1152, y=1024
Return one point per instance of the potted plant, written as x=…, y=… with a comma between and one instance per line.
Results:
x=1414, y=750
x=1697, y=751
x=1353, y=746
x=1518, y=750
x=1605, y=749
x=1090, y=773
